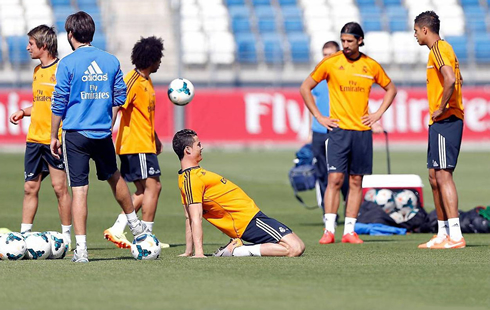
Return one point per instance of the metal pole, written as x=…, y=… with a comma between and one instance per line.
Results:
x=387, y=152
x=179, y=112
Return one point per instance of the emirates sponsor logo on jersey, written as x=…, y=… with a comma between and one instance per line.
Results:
x=94, y=73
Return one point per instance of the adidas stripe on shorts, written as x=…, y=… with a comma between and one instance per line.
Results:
x=444, y=143
x=139, y=166
x=263, y=229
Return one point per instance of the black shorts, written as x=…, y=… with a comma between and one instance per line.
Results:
x=37, y=160
x=350, y=151
x=78, y=150
x=263, y=229
x=139, y=166
x=444, y=143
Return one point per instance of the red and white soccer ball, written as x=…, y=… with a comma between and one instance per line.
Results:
x=180, y=91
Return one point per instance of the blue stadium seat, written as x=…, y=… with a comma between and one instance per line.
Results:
x=291, y=12
x=371, y=10
x=265, y=12
x=60, y=3
x=465, y=3
x=99, y=41
x=460, y=47
x=17, y=50
x=397, y=25
x=86, y=3
x=392, y=2
x=299, y=46
x=293, y=25
x=371, y=23
x=365, y=3
x=261, y=2
x=397, y=18
x=287, y=2
x=482, y=49
x=273, y=48
x=231, y=3
x=476, y=22
x=246, y=49
x=266, y=25
x=239, y=11
x=240, y=25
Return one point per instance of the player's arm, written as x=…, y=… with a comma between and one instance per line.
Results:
x=158, y=144
x=120, y=88
x=448, y=89
x=55, y=145
x=114, y=116
x=305, y=91
x=188, y=234
x=17, y=116
x=371, y=119
x=195, y=217
x=59, y=103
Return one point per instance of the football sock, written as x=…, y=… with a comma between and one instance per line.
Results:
x=443, y=229
x=454, y=229
x=149, y=226
x=329, y=219
x=66, y=231
x=25, y=227
x=121, y=222
x=81, y=241
x=350, y=222
x=132, y=219
x=247, y=250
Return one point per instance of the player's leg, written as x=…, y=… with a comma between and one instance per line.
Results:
x=60, y=187
x=290, y=245
x=34, y=167
x=321, y=171
x=337, y=152
x=354, y=201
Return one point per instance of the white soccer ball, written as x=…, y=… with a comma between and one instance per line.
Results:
x=370, y=195
x=406, y=199
x=58, y=245
x=38, y=246
x=12, y=246
x=385, y=199
x=146, y=247
x=180, y=91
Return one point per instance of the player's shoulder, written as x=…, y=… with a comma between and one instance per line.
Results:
x=332, y=58
x=131, y=77
x=441, y=46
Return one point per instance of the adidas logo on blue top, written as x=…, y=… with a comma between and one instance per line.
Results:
x=94, y=73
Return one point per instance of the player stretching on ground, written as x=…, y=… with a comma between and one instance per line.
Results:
x=349, y=75
x=227, y=207
x=38, y=160
x=137, y=142
x=89, y=84
x=445, y=129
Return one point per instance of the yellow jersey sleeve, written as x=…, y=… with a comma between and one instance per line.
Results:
x=441, y=55
x=322, y=69
x=193, y=189
x=380, y=76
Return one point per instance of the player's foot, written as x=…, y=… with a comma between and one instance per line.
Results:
x=80, y=256
x=449, y=243
x=119, y=239
x=227, y=250
x=137, y=229
x=351, y=238
x=433, y=242
x=164, y=245
x=328, y=237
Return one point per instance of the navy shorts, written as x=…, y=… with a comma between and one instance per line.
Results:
x=78, y=151
x=263, y=229
x=350, y=151
x=37, y=160
x=139, y=166
x=444, y=143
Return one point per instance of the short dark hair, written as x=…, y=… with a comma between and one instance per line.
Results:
x=146, y=52
x=330, y=44
x=181, y=140
x=45, y=36
x=430, y=20
x=82, y=27
x=354, y=29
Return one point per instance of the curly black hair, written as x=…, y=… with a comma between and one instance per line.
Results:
x=146, y=52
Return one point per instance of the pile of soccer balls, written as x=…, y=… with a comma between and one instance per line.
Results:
x=33, y=245
x=401, y=205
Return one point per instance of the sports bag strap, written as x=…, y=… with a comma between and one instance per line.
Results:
x=303, y=203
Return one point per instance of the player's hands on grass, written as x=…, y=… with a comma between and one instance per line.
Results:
x=16, y=117
x=370, y=119
x=437, y=113
x=329, y=123
x=55, y=148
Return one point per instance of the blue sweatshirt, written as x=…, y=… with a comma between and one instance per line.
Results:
x=320, y=92
x=89, y=82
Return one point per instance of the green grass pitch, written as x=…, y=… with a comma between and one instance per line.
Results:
x=383, y=273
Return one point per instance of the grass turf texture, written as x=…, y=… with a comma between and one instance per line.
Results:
x=383, y=273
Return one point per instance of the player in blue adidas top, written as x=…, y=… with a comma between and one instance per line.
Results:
x=89, y=84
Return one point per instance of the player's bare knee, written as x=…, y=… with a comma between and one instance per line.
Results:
x=31, y=188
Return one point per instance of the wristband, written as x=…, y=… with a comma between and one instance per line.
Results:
x=23, y=112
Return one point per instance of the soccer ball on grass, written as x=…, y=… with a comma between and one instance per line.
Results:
x=58, y=245
x=38, y=246
x=145, y=247
x=12, y=246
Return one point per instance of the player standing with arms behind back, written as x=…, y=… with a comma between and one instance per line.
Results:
x=444, y=83
x=349, y=75
x=38, y=160
x=89, y=84
x=137, y=142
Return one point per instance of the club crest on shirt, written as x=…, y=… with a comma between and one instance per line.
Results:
x=223, y=180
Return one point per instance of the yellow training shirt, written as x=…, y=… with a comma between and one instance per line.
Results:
x=224, y=204
x=349, y=84
x=442, y=54
x=137, y=128
x=43, y=82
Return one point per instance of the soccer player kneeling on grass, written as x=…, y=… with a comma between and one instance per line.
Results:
x=228, y=208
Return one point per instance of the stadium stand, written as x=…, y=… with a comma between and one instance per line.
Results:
x=241, y=39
